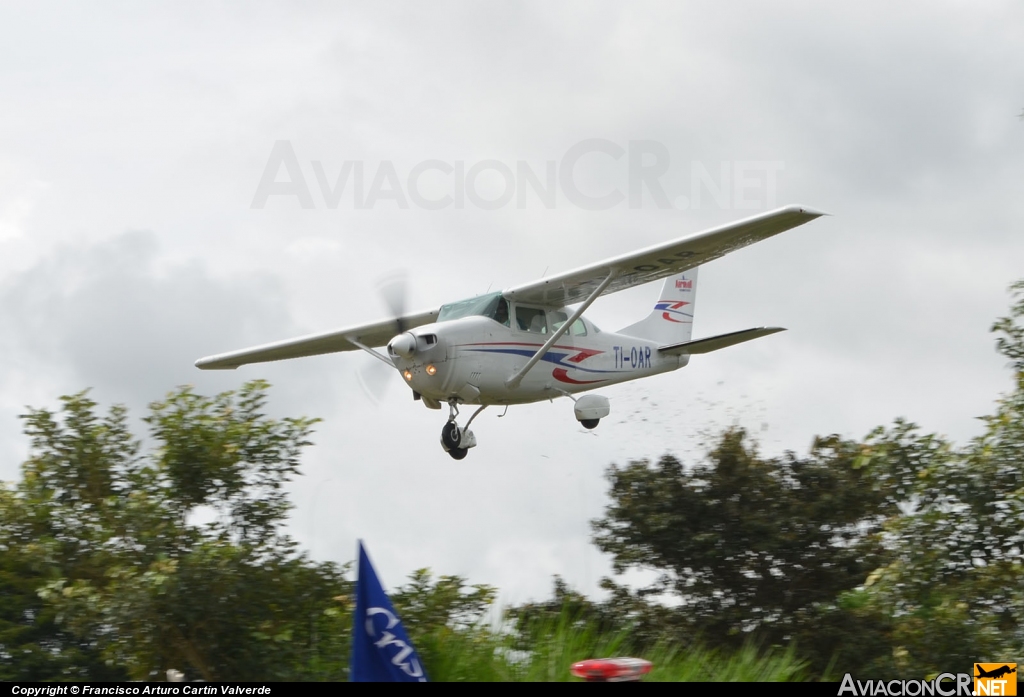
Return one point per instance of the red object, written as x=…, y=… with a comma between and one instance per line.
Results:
x=611, y=669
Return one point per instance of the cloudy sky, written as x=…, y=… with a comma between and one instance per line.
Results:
x=135, y=236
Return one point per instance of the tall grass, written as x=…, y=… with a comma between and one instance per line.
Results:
x=486, y=655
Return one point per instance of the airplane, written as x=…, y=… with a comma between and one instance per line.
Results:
x=995, y=672
x=525, y=344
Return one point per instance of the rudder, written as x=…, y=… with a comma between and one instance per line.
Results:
x=671, y=321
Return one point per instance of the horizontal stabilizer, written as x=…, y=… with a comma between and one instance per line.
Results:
x=713, y=343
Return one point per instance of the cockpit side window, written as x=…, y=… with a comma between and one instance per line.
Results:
x=531, y=319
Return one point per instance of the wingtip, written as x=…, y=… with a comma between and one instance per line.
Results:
x=207, y=364
x=807, y=210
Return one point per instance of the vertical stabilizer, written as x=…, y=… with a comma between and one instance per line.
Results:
x=672, y=319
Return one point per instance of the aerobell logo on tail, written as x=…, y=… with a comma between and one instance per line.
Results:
x=673, y=311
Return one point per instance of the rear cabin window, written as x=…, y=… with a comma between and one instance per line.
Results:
x=558, y=318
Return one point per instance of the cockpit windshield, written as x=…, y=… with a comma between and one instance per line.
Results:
x=495, y=307
x=491, y=305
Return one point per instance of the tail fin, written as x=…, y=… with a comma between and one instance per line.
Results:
x=671, y=322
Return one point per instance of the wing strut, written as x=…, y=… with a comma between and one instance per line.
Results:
x=376, y=354
x=518, y=377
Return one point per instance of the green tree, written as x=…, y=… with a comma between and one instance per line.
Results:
x=110, y=574
x=33, y=643
x=49, y=529
x=748, y=544
x=953, y=592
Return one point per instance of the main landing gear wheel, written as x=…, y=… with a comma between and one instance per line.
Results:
x=458, y=453
x=590, y=409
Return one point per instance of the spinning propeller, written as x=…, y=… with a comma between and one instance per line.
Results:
x=393, y=291
x=374, y=377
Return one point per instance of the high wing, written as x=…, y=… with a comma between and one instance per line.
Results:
x=659, y=261
x=374, y=334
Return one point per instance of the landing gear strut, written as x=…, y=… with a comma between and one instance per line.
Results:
x=457, y=441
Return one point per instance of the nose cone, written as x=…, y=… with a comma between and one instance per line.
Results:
x=403, y=345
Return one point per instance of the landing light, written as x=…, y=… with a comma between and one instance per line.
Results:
x=407, y=374
x=431, y=370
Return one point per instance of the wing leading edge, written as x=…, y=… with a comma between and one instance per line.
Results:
x=374, y=334
x=662, y=260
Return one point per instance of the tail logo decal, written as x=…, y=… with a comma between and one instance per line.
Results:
x=672, y=310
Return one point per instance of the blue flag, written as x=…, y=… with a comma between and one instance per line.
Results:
x=381, y=650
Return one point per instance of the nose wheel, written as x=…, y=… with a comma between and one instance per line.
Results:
x=457, y=441
x=450, y=435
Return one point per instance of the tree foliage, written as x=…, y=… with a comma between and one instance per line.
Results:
x=441, y=614
x=112, y=577
x=747, y=543
x=953, y=589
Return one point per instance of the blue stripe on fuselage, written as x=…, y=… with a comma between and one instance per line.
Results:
x=550, y=357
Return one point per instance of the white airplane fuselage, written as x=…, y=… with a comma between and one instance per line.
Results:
x=472, y=359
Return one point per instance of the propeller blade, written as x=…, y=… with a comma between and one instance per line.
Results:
x=374, y=378
x=392, y=289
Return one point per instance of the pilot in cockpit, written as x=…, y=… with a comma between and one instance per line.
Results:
x=501, y=312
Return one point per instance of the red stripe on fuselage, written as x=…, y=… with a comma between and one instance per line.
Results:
x=562, y=375
x=583, y=355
